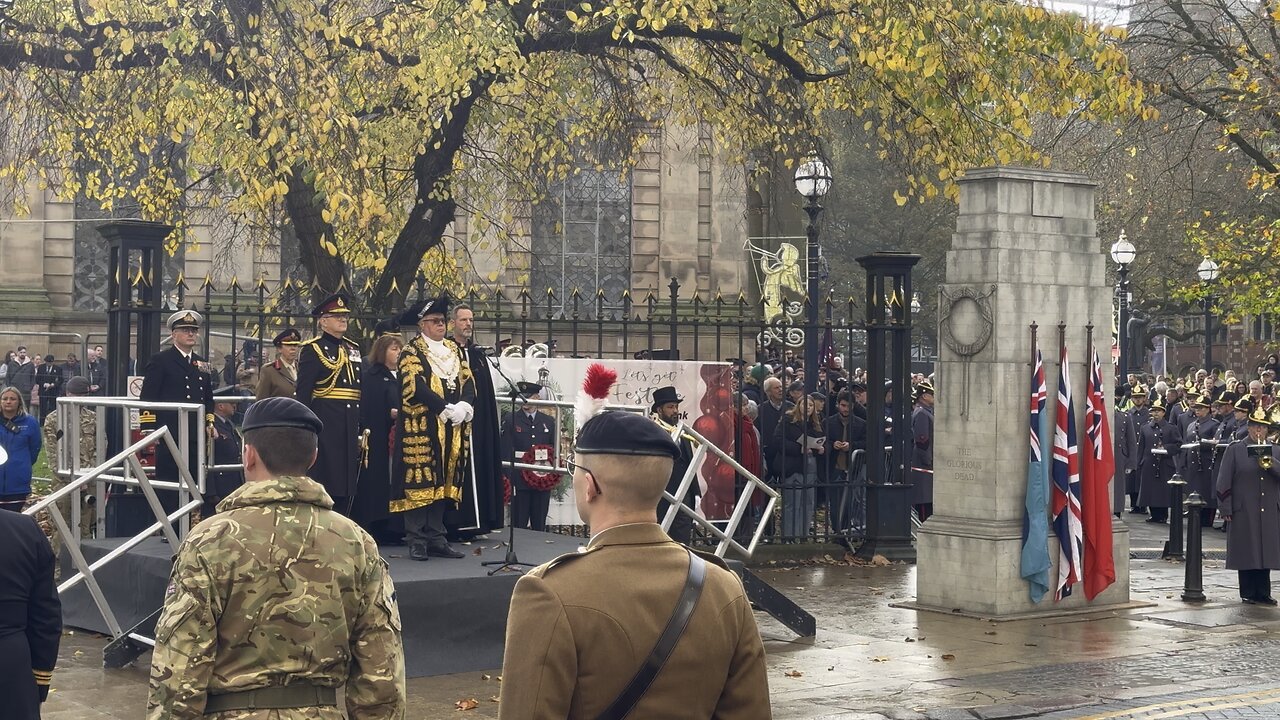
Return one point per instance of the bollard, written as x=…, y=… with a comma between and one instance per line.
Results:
x=1193, y=584
x=1173, y=548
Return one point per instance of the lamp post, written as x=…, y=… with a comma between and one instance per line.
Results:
x=1208, y=272
x=1123, y=253
x=813, y=180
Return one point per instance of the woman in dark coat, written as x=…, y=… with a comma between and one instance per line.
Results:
x=797, y=465
x=379, y=406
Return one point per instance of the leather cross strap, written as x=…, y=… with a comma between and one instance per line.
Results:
x=644, y=677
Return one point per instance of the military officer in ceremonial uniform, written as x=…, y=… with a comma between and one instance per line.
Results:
x=1240, y=417
x=1139, y=415
x=30, y=617
x=277, y=601
x=1248, y=490
x=329, y=384
x=280, y=378
x=587, y=625
x=226, y=450
x=1125, y=451
x=666, y=412
x=1199, y=444
x=531, y=435
x=922, y=450
x=1159, y=443
x=178, y=374
x=433, y=431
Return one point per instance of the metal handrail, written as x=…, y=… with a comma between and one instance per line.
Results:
x=128, y=460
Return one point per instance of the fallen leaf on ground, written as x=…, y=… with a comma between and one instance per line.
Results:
x=989, y=632
x=486, y=677
x=948, y=656
x=793, y=673
x=911, y=639
x=477, y=551
x=468, y=704
x=880, y=561
x=880, y=659
x=493, y=698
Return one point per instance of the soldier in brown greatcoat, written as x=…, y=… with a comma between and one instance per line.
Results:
x=280, y=378
x=581, y=628
x=1249, y=498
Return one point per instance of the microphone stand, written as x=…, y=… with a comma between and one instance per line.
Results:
x=510, y=561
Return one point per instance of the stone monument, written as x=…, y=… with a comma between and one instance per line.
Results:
x=1025, y=250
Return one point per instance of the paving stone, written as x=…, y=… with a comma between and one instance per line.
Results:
x=949, y=714
x=1004, y=712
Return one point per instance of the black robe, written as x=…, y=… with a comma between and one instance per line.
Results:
x=329, y=384
x=481, y=508
x=379, y=395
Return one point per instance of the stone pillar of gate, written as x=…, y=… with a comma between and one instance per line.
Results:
x=1025, y=250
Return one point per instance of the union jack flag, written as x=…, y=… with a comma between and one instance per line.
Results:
x=1067, y=524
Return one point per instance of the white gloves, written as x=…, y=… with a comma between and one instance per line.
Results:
x=458, y=413
x=465, y=411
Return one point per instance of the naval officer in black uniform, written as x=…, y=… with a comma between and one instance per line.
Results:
x=329, y=384
x=178, y=374
x=31, y=623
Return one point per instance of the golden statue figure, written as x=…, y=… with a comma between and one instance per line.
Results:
x=782, y=280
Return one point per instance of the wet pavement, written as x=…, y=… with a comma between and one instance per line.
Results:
x=872, y=661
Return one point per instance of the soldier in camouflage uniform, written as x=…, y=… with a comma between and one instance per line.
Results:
x=76, y=387
x=278, y=600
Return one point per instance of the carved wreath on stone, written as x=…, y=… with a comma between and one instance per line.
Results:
x=967, y=301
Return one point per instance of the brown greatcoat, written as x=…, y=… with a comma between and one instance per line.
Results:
x=1251, y=496
x=580, y=626
x=275, y=380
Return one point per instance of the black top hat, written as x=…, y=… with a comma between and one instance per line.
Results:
x=335, y=304
x=289, y=336
x=664, y=395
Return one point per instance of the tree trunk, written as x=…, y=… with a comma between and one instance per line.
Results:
x=303, y=208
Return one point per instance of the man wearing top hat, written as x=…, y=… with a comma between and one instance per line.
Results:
x=666, y=412
x=280, y=378
x=178, y=374
x=1248, y=490
x=329, y=384
x=433, y=431
x=531, y=435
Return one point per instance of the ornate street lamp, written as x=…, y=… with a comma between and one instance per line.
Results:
x=1208, y=273
x=813, y=180
x=1122, y=253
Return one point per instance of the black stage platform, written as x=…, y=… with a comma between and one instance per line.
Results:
x=454, y=614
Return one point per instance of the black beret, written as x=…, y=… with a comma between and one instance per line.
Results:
x=625, y=433
x=281, y=412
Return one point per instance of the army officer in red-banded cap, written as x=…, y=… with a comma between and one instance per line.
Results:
x=329, y=384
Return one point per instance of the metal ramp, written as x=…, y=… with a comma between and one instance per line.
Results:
x=123, y=468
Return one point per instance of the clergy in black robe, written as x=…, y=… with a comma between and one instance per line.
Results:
x=329, y=384
x=379, y=408
x=481, y=507
x=433, y=458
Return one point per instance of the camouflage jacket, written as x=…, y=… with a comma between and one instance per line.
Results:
x=88, y=437
x=278, y=589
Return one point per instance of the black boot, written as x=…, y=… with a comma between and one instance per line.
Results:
x=443, y=550
x=419, y=551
